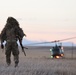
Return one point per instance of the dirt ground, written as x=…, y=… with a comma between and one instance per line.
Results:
x=38, y=62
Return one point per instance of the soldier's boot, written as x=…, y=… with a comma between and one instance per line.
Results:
x=16, y=63
x=8, y=64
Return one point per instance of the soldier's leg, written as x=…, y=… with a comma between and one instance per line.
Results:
x=16, y=60
x=8, y=53
x=15, y=52
x=8, y=56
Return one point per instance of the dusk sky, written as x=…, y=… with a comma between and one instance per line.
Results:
x=42, y=20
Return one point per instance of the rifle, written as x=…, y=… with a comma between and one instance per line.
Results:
x=22, y=47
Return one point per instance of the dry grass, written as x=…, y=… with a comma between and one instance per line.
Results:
x=38, y=62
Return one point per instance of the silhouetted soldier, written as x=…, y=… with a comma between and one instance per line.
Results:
x=11, y=33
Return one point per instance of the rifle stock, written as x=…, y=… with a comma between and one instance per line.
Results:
x=24, y=52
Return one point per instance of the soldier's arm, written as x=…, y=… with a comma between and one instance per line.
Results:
x=3, y=37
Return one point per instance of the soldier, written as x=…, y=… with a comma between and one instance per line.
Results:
x=11, y=33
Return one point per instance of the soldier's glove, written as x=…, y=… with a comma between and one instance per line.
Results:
x=2, y=46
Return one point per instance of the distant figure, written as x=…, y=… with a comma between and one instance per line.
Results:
x=11, y=33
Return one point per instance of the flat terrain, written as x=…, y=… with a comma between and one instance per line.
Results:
x=38, y=62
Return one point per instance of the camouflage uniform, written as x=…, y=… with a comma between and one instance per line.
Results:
x=11, y=34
